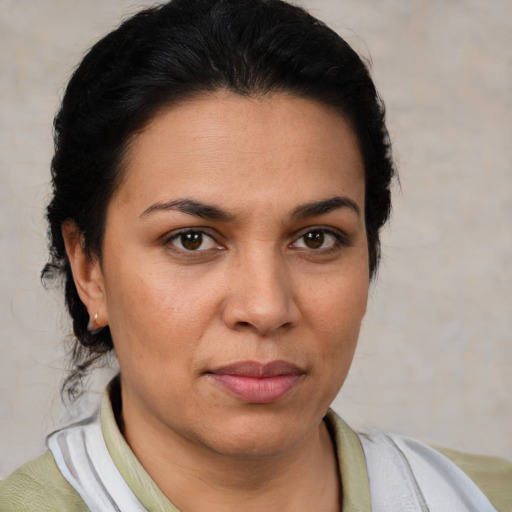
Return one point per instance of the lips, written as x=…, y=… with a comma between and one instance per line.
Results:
x=257, y=383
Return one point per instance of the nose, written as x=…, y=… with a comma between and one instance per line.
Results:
x=261, y=296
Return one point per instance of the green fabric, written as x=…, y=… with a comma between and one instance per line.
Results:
x=129, y=466
x=491, y=474
x=354, y=479
x=38, y=486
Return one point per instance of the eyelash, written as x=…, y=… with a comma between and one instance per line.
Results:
x=176, y=235
x=340, y=240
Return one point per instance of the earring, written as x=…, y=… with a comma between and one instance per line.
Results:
x=91, y=325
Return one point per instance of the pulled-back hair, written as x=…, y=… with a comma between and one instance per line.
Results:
x=173, y=52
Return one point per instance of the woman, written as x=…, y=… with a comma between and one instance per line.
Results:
x=221, y=174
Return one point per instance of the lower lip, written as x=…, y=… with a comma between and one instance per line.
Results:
x=256, y=390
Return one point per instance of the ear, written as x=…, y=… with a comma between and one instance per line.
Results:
x=87, y=275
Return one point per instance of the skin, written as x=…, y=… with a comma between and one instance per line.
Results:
x=255, y=289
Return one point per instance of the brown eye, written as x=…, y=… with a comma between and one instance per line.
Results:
x=317, y=239
x=314, y=239
x=189, y=241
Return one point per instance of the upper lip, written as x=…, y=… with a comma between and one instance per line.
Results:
x=256, y=369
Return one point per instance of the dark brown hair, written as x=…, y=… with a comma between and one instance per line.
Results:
x=166, y=54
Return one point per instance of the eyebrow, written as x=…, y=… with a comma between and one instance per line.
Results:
x=212, y=212
x=325, y=206
x=205, y=211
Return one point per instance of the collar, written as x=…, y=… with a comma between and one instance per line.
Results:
x=352, y=466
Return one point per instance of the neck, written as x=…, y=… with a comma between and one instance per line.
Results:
x=304, y=478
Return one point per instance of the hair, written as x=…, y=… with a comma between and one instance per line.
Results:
x=173, y=52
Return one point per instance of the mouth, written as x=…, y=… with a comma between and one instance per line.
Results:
x=258, y=383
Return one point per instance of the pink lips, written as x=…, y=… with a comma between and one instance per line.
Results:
x=258, y=383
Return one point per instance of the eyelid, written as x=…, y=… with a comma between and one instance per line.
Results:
x=340, y=236
x=206, y=232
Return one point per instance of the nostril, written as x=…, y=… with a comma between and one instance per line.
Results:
x=249, y=325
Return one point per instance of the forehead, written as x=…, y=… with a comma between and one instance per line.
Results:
x=223, y=146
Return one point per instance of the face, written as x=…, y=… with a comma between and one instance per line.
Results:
x=235, y=271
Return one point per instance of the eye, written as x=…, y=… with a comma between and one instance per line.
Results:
x=317, y=239
x=193, y=241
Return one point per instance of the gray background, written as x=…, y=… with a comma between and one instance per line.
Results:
x=435, y=354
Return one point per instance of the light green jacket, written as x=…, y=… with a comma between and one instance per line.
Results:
x=38, y=486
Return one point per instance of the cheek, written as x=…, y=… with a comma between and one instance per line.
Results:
x=157, y=314
x=336, y=311
x=338, y=300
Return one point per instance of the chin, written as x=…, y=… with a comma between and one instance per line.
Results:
x=254, y=447
x=257, y=436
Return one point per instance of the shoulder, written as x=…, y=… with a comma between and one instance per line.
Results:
x=39, y=486
x=492, y=475
x=400, y=465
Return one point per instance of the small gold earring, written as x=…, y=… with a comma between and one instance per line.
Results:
x=91, y=326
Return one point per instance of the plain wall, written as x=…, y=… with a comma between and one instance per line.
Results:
x=435, y=354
